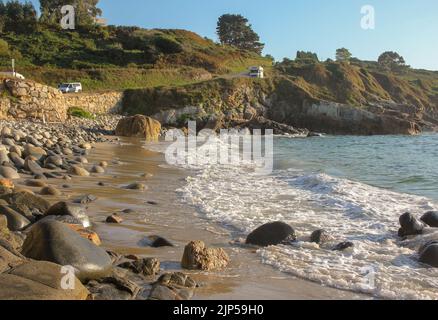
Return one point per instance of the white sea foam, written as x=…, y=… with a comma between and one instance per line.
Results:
x=379, y=264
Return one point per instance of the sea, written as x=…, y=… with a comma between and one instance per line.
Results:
x=353, y=187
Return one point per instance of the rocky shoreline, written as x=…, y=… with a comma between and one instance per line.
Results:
x=48, y=250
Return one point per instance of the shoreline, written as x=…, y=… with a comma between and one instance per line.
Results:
x=246, y=277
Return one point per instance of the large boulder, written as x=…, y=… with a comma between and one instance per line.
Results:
x=55, y=242
x=429, y=254
x=272, y=234
x=198, y=257
x=431, y=219
x=410, y=226
x=37, y=280
x=70, y=209
x=139, y=126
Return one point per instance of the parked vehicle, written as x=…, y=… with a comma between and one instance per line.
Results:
x=70, y=87
x=256, y=72
x=12, y=75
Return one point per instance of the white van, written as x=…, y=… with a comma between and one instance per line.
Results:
x=70, y=87
x=12, y=75
x=257, y=72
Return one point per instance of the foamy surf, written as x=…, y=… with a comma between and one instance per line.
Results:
x=380, y=264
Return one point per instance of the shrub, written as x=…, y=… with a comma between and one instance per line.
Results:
x=167, y=45
x=80, y=113
x=4, y=48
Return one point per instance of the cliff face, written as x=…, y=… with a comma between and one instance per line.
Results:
x=292, y=101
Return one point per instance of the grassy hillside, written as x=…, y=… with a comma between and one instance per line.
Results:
x=360, y=83
x=122, y=57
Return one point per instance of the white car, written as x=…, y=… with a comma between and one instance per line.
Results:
x=70, y=87
x=12, y=75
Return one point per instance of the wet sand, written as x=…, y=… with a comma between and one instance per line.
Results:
x=246, y=278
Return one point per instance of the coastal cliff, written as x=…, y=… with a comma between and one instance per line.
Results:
x=333, y=98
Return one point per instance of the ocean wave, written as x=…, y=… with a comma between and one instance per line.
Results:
x=380, y=264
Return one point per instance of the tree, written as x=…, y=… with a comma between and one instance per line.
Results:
x=343, y=55
x=86, y=11
x=306, y=57
x=18, y=17
x=392, y=61
x=2, y=15
x=235, y=30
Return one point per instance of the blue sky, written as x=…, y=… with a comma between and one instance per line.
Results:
x=406, y=26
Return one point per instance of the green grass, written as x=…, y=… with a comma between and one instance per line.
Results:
x=80, y=113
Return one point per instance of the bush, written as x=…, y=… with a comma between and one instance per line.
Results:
x=80, y=113
x=4, y=48
x=167, y=45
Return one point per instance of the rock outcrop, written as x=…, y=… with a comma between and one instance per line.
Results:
x=139, y=126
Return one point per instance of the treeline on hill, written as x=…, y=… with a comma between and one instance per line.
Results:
x=40, y=41
x=356, y=82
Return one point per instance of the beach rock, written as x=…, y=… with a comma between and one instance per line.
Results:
x=7, y=183
x=146, y=267
x=136, y=186
x=55, y=160
x=4, y=158
x=35, y=183
x=272, y=234
x=198, y=257
x=70, y=209
x=410, y=226
x=9, y=173
x=78, y=171
x=173, y=286
x=17, y=160
x=431, y=219
x=429, y=254
x=26, y=203
x=320, y=237
x=103, y=164
x=343, y=246
x=85, y=146
x=50, y=191
x=139, y=126
x=97, y=169
x=37, y=280
x=16, y=221
x=86, y=199
x=155, y=242
x=37, y=152
x=117, y=286
x=8, y=260
x=55, y=242
x=114, y=219
x=32, y=166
